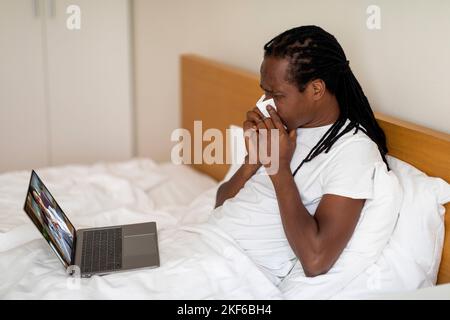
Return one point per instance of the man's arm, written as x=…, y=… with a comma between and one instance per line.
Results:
x=254, y=121
x=230, y=188
x=317, y=240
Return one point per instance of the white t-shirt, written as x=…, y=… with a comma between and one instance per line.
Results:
x=253, y=219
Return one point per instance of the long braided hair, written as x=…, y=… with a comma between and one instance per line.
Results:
x=313, y=54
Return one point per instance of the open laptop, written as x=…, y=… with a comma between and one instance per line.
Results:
x=97, y=250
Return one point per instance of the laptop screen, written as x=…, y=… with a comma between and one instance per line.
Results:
x=48, y=217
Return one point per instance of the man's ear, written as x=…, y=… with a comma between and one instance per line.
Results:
x=318, y=88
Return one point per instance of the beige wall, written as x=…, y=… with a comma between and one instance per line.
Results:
x=65, y=95
x=404, y=68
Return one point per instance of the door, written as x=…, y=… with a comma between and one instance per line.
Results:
x=24, y=129
x=89, y=81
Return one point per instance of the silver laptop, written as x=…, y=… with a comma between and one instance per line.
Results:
x=97, y=250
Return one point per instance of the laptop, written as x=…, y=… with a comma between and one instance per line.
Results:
x=95, y=251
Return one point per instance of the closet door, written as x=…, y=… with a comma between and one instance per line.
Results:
x=89, y=81
x=23, y=115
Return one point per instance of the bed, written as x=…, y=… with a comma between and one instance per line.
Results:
x=231, y=91
x=197, y=262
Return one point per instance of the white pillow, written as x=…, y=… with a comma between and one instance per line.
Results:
x=420, y=229
x=411, y=258
x=237, y=150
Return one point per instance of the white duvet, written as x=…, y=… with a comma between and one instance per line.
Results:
x=197, y=262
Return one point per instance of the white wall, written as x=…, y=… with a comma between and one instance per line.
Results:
x=403, y=68
x=65, y=95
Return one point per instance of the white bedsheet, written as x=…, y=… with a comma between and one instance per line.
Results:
x=197, y=262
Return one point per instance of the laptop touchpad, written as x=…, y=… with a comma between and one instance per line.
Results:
x=140, y=249
x=139, y=245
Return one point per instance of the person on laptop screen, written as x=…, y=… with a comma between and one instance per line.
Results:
x=50, y=221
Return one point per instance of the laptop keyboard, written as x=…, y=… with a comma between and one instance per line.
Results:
x=102, y=250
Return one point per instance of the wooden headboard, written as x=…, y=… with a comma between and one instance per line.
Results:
x=220, y=95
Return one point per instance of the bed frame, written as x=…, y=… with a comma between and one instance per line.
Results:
x=220, y=95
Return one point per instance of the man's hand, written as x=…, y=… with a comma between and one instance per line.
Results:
x=253, y=123
x=286, y=141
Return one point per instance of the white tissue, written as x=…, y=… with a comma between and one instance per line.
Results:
x=261, y=105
